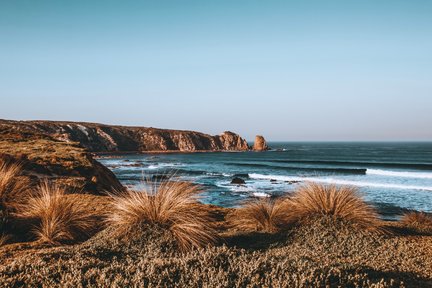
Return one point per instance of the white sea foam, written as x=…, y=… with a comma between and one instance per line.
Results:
x=213, y=174
x=260, y=194
x=405, y=174
x=340, y=182
x=241, y=188
x=163, y=165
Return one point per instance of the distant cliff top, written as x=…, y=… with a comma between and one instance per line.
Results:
x=114, y=138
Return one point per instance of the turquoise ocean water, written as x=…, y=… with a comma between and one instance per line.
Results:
x=392, y=176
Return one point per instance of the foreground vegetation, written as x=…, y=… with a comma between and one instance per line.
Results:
x=322, y=236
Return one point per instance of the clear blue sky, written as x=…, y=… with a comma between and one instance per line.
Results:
x=290, y=70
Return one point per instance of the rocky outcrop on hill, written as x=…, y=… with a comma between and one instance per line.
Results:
x=64, y=163
x=260, y=144
x=107, y=138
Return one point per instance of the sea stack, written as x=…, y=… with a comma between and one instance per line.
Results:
x=260, y=144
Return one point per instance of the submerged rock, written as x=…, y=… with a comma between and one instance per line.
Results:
x=292, y=182
x=238, y=180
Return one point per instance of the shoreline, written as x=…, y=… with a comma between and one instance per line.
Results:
x=112, y=154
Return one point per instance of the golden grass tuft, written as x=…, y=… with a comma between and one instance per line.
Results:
x=12, y=187
x=341, y=202
x=59, y=219
x=3, y=239
x=170, y=205
x=263, y=215
x=418, y=221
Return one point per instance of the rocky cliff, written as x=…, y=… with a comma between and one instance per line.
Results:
x=107, y=138
x=61, y=151
x=260, y=144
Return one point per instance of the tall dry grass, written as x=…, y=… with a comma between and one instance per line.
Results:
x=13, y=191
x=170, y=205
x=263, y=215
x=13, y=188
x=418, y=221
x=58, y=218
x=3, y=239
x=342, y=202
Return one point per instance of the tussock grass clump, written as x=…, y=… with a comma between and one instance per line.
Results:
x=170, y=205
x=58, y=218
x=264, y=215
x=3, y=239
x=420, y=222
x=13, y=190
x=340, y=202
x=12, y=187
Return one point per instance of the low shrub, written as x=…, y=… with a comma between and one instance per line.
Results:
x=342, y=202
x=420, y=222
x=264, y=215
x=58, y=219
x=171, y=205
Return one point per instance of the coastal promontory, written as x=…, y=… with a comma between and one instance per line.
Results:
x=112, y=138
x=63, y=151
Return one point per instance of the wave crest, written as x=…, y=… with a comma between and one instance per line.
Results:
x=339, y=182
x=405, y=174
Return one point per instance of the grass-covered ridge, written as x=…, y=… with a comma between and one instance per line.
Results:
x=67, y=163
x=322, y=236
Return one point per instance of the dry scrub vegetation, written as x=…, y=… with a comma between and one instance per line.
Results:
x=264, y=215
x=160, y=236
x=13, y=191
x=339, y=202
x=419, y=222
x=170, y=205
x=58, y=219
x=309, y=201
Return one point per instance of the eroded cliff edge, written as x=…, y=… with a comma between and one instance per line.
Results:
x=61, y=151
x=110, y=138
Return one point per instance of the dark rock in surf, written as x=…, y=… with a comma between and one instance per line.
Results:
x=238, y=180
x=292, y=182
x=241, y=175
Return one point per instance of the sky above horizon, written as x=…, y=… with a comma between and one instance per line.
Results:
x=289, y=70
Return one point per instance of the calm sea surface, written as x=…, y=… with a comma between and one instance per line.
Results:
x=390, y=175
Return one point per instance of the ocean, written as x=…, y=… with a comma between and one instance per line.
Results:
x=394, y=177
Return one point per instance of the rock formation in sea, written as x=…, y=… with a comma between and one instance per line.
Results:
x=110, y=138
x=260, y=144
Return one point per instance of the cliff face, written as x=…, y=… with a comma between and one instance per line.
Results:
x=106, y=138
x=60, y=150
